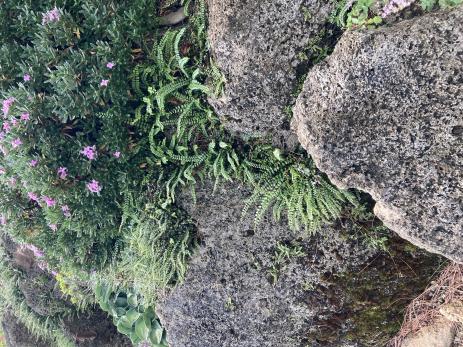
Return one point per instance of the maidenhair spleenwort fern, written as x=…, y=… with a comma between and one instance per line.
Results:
x=291, y=185
x=188, y=144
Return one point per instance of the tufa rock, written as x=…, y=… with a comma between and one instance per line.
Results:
x=453, y=311
x=384, y=114
x=255, y=44
x=236, y=293
x=439, y=334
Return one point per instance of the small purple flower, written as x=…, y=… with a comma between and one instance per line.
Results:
x=50, y=16
x=32, y=196
x=104, y=83
x=25, y=116
x=110, y=65
x=16, y=143
x=14, y=122
x=48, y=201
x=2, y=171
x=6, y=127
x=53, y=227
x=2, y=220
x=7, y=103
x=62, y=172
x=94, y=186
x=2, y=135
x=27, y=78
x=66, y=211
x=117, y=154
x=33, y=162
x=89, y=152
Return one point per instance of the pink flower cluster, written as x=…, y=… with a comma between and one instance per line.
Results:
x=50, y=16
x=62, y=173
x=395, y=6
x=7, y=105
x=89, y=152
x=94, y=186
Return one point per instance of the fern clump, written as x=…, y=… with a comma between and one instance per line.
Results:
x=188, y=144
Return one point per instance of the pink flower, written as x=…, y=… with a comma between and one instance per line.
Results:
x=110, y=65
x=117, y=154
x=25, y=116
x=2, y=171
x=94, y=186
x=89, y=152
x=33, y=197
x=66, y=211
x=6, y=127
x=16, y=143
x=2, y=220
x=12, y=181
x=104, y=83
x=33, y=162
x=14, y=122
x=54, y=273
x=62, y=172
x=53, y=227
x=50, y=16
x=49, y=201
x=7, y=104
x=27, y=78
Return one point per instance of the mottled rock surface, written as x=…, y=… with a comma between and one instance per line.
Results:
x=255, y=44
x=230, y=298
x=384, y=114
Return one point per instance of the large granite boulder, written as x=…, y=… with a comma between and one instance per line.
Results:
x=384, y=114
x=255, y=44
x=241, y=290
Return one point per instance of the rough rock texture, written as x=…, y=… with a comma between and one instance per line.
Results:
x=440, y=334
x=229, y=298
x=384, y=114
x=255, y=44
x=453, y=311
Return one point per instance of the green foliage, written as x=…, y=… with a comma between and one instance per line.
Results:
x=428, y=5
x=369, y=229
x=76, y=286
x=48, y=328
x=68, y=109
x=131, y=318
x=283, y=254
x=359, y=15
x=291, y=185
x=155, y=250
x=188, y=144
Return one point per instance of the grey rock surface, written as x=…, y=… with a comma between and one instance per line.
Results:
x=255, y=44
x=384, y=114
x=229, y=298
